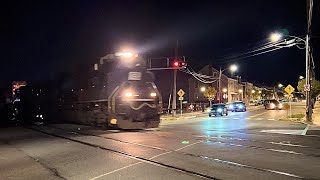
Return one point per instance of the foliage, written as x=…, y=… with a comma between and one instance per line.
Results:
x=315, y=87
x=299, y=116
x=210, y=93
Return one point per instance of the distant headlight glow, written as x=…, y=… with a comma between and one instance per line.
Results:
x=240, y=106
x=272, y=105
x=280, y=105
x=219, y=110
x=153, y=94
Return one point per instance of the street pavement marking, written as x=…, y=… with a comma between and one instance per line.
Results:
x=259, y=118
x=97, y=177
x=235, y=118
x=175, y=150
x=258, y=114
x=304, y=132
x=271, y=119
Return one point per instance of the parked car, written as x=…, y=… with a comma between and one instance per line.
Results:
x=237, y=106
x=273, y=104
x=218, y=109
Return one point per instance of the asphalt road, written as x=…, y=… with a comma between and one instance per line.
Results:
x=243, y=145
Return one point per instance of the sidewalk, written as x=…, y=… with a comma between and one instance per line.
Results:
x=316, y=114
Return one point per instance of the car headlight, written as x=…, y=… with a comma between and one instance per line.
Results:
x=153, y=94
x=272, y=105
x=240, y=106
x=280, y=105
x=219, y=110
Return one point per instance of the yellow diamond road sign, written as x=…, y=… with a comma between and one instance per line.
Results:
x=180, y=93
x=289, y=89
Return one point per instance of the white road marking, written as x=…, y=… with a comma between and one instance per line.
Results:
x=304, y=132
x=259, y=114
x=259, y=118
x=97, y=177
x=283, y=131
x=235, y=118
x=271, y=119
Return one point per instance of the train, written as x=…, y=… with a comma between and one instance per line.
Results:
x=119, y=93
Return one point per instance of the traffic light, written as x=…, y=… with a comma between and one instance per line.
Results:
x=177, y=63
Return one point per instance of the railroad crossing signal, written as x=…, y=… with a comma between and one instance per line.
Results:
x=180, y=92
x=289, y=89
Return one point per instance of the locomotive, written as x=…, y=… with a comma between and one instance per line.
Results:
x=120, y=93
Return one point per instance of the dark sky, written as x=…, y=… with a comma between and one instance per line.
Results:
x=43, y=38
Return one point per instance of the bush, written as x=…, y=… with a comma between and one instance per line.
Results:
x=299, y=116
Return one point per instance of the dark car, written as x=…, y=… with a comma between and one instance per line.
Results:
x=218, y=109
x=273, y=104
x=237, y=106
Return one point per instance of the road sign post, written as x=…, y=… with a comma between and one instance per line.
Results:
x=180, y=93
x=289, y=89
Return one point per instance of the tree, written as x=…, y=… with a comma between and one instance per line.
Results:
x=314, y=90
x=210, y=94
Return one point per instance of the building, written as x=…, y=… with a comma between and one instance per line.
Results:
x=195, y=94
x=231, y=89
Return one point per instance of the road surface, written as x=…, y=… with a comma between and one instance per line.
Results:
x=243, y=145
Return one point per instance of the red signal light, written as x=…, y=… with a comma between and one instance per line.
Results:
x=176, y=64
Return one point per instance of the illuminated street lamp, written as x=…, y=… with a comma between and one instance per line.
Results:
x=253, y=91
x=274, y=37
x=203, y=89
x=224, y=90
x=280, y=85
x=232, y=69
x=240, y=91
x=260, y=92
x=301, y=77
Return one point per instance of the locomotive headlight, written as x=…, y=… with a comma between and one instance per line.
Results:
x=153, y=94
x=128, y=94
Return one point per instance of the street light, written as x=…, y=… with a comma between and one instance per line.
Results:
x=232, y=69
x=280, y=85
x=240, y=90
x=203, y=89
x=301, y=77
x=253, y=91
x=224, y=90
x=274, y=37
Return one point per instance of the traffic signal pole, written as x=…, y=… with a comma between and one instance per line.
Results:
x=174, y=95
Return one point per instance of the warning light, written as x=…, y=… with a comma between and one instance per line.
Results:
x=176, y=64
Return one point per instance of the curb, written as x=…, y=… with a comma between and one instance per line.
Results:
x=177, y=118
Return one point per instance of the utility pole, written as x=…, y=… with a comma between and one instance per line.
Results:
x=308, y=97
x=220, y=74
x=174, y=93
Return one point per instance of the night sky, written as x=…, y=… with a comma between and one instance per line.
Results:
x=44, y=38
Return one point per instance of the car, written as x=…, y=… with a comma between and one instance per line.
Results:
x=273, y=104
x=218, y=109
x=237, y=106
